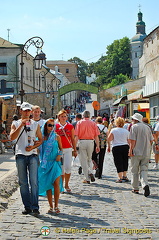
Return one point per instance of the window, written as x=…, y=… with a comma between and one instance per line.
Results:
x=3, y=69
x=26, y=73
x=67, y=70
x=154, y=112
x=30, y=76
x=136, y=55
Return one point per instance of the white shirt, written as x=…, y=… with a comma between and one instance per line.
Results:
x=121, y=136
x=156, y=127
x=102, y=127
x=41, y=122
x=23, y=140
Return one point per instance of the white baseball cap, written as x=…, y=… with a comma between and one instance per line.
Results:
x=26, y=106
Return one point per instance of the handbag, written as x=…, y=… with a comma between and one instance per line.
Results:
x=17, y=141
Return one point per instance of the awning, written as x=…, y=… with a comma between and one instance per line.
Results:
x=6, y=96
x=119, y=100
x=143, y=106
x=135, y=95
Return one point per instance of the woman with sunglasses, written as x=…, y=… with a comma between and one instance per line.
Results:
x=66, y=131
x=50, y=165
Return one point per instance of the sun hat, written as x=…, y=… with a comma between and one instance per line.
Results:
x=138, y=117
x=25, y=106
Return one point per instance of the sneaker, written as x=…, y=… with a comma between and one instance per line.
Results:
x=27, y=211
x=147, y=191
x=92, y=177
x=80, y=170
x=36, y=212
x=155, y=166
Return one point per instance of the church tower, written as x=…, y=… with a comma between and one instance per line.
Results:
x=137, y=45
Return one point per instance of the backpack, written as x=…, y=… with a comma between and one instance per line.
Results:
x=102, y=138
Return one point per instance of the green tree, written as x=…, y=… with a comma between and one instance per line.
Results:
x=82, y=68
x=118, y=79
x=117, y=61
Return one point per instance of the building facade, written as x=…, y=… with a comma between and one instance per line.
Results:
x=137, y=46
x=149, y=68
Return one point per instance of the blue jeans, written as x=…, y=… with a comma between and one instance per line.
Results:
x=27, y=167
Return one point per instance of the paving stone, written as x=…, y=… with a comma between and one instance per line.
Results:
x=103, y=204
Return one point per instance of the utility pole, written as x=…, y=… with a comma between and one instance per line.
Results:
x=8, y=33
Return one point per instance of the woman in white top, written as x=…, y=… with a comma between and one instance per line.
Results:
x=120, y=147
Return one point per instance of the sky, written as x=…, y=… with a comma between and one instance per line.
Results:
x=74, y=28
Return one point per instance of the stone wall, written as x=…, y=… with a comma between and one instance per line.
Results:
x=41, y=100
x=149, y=62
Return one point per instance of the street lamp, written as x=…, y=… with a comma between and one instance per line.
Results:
x=38, y=61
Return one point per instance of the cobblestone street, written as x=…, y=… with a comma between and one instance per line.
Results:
x=102, y=210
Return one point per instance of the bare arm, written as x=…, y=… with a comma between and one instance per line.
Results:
x=58, y=158
x=97, y=143
x=132, y=144
x=110, y=137
x=73, y=142
x=14, y=133
x=108, y=143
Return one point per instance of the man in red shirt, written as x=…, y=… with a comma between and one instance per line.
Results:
x=86, y=132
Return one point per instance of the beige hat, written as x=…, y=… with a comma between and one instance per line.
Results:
x=138, y=117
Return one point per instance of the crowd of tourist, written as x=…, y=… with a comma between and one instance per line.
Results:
x=44, y=150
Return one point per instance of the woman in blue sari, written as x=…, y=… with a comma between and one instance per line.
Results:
x=50, y=165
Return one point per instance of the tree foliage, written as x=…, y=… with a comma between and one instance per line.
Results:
x=112, y=69
x=82, y=67
x=117, y=61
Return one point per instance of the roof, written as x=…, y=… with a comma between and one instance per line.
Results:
x=6, y=44
x=138, y=37
x=56, y=62
x=119, y=100
x=135, y=95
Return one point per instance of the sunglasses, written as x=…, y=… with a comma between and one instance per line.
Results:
x=50, y=125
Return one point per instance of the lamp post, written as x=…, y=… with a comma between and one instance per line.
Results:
x=38, y=60
x=51, y=90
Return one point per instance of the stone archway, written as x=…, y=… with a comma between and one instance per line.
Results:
x=74, y=87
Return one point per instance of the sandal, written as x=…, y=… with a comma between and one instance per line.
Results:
x=135, y=191
x=119, y=181
x=125, y=179
x=57, y=210
x=85, y=181
x=50, y=210
x=68, y=190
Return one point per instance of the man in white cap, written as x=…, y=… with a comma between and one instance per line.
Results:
x=25, y=131
x=140, y=140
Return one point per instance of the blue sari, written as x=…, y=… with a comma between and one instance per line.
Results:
x=49, y=169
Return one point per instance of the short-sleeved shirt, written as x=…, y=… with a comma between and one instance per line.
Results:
x=156, y=128
x=142, y=134
x=121, y=136
x=86, y=129
x=41, y=122
x=23, y=140
x=67, y=128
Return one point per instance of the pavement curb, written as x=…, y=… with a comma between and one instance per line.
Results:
x=8, y=186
